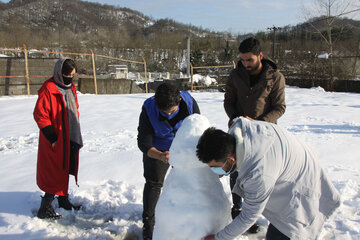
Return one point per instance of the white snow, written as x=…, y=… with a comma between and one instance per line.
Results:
x=324, y=55
x=207, y=80
x=110, y=177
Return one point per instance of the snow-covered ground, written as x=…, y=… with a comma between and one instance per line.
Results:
x=110, y=175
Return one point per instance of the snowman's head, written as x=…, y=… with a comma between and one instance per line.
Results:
x=183, y=147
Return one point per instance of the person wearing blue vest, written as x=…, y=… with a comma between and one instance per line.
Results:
x=160, y=118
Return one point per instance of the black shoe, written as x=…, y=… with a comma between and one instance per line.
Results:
x=66, y=204
x=46, y=210
x=254, y=229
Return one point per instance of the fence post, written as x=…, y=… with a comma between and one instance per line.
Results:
x=27, y=70
x=146, y=82
x=192, y=74
x=94, y=70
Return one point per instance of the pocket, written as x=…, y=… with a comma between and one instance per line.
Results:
x=303, y=206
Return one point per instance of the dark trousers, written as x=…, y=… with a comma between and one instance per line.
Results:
x=274, y=234
x=237, y=201
x=154, y=173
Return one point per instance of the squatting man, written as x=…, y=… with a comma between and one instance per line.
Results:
x=278, y=177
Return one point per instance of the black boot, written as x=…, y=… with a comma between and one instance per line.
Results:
x=66, y=204
x=46, y=210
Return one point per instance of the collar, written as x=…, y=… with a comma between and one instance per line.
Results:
x=236, y=131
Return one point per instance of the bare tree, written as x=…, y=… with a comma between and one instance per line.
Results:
x=323, y=14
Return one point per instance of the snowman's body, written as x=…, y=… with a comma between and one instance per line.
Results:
x=193, y=203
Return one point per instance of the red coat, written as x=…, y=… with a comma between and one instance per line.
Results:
x=52, y=175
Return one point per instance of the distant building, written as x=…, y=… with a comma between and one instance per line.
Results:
x=119, y=71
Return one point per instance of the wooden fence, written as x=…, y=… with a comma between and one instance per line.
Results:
x=28, y=75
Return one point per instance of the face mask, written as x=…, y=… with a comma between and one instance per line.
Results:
x=221, y=171
x=67, y=80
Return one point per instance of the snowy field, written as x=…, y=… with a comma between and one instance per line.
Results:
x=110, y=175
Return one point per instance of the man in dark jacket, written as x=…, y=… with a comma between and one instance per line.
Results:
x=160, y=118
x=255, y=90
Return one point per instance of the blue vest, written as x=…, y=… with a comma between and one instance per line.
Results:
x=163, y=132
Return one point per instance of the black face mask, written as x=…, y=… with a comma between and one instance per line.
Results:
x=67, y=80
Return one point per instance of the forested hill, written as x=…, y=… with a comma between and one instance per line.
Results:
x=91, y=23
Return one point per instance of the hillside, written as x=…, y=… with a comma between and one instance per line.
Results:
x=81, y=20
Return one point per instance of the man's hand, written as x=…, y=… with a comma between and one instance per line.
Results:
x=165, y=156
x=162, y=156
x=210, y=237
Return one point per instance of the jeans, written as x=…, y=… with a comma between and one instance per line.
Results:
x=154, y=173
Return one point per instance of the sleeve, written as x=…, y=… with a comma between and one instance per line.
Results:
x=196, y=108
x=257, y=189
x=145, y=132
x=42, y=110
x=49, y=133
x=230, y=98
x=277, y=98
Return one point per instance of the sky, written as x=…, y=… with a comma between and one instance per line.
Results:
x=235, y=16
x=111, y=170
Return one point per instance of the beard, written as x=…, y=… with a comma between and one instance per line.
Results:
x=254, y=68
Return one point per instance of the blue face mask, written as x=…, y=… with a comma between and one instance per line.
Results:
x=221, y=171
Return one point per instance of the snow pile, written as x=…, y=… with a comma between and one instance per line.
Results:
x=193, y=203
x=207, y=80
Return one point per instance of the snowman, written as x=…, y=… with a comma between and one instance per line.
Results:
x=193, y=203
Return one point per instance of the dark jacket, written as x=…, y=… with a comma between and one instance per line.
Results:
x=263, y=101
x=165, y=128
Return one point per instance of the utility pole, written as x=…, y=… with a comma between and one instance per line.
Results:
x=188, y=57
x=274, y=29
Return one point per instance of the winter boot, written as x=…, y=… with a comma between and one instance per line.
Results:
x=66, y=204
x=46, y=210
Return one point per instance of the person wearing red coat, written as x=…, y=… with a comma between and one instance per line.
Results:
x=56, y=114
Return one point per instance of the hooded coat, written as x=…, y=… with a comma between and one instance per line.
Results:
x=263, y=101
x=50, y=114
x=279, y=178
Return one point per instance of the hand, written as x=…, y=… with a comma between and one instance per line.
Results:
x=210, y=237
x=165, y=156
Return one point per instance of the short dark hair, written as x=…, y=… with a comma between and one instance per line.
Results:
x=250, y=44
x=68, y=67
x=167, y=95
x=215, y=144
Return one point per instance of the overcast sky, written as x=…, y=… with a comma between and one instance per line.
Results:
x=235, y=16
